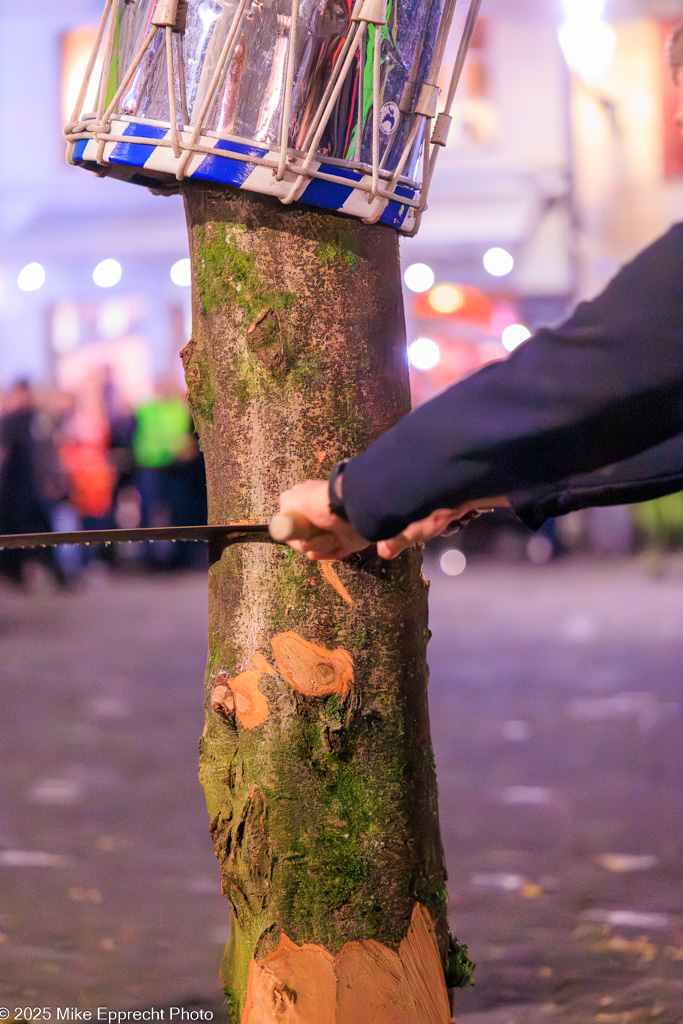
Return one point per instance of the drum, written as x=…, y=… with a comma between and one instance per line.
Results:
x=311, y=101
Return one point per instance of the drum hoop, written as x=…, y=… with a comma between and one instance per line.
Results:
x=358, y=166
x=270, y=164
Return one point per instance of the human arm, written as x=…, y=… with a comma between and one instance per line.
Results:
x=651, y=474
x=597, y=390
x=604, y=386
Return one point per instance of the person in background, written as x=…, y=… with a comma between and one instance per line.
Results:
x=84, y=451
x=589, y=413
x=170, y=472
x=31, y=481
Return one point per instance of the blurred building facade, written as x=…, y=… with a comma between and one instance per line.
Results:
x=569, y=165
x=569, y=178
x=69, y=221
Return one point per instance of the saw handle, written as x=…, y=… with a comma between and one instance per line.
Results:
x=286, y=526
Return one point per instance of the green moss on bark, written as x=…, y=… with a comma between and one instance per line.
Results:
x=201, y=392
x=339, y=253
x=226, y=274
x=291, y=590
x=459, y=968
x=331, y=835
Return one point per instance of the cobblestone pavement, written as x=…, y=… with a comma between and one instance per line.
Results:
x=556, y=712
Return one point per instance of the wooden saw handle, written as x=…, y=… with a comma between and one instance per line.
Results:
x=285, y=526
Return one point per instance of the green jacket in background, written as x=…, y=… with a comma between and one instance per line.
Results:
x=163, y=426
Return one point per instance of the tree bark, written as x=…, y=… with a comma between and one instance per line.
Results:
x=316, y=759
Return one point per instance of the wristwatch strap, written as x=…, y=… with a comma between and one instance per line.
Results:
x=336, y=503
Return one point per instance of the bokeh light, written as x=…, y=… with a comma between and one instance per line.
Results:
x=514, y=335
x=424, y=354
x=31, y=277
x=498, y=262
x=107, y=273
x=181, y=273
x=418, y=277
x=113, y=319
x=446, y=298
x=588, y=48
x=584, y=9
x=452, y=562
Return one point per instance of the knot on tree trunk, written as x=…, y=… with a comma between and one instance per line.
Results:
x=311, y=669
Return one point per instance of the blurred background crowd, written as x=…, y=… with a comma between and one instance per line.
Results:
x=88, y=460
x=562, y=163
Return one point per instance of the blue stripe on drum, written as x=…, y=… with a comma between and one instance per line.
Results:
x=225, y=171
x=327, y=193
x=79, y=149
x=133, y=154
x=396, y=213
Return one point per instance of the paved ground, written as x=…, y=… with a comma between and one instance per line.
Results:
x=557, y=726
x=557, y=720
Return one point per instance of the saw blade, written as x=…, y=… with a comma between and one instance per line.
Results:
x=230, y=533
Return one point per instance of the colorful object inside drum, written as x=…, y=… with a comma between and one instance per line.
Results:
x=310, y=101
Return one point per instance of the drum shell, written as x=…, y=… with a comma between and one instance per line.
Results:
x=249, y=100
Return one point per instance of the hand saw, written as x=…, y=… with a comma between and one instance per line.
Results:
x=282, y=528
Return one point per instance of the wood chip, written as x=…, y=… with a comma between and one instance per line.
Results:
x=260, y=663
x=329, y=574
x=251, y=706
x=242, y=697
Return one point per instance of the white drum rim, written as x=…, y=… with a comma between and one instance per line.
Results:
x=243, y=140
x=159, y=166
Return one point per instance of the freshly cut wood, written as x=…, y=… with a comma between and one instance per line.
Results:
x=372, y=976
x=242, y=697
x=366, y=981
x=222, y=698
x=292, y=985
x=311, y=669
x=394, y=988
x=419, y=954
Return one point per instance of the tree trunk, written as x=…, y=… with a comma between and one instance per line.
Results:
x=316, y=758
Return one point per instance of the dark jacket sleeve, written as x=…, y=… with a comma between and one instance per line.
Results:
x=602, y=387
x=652, y=474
